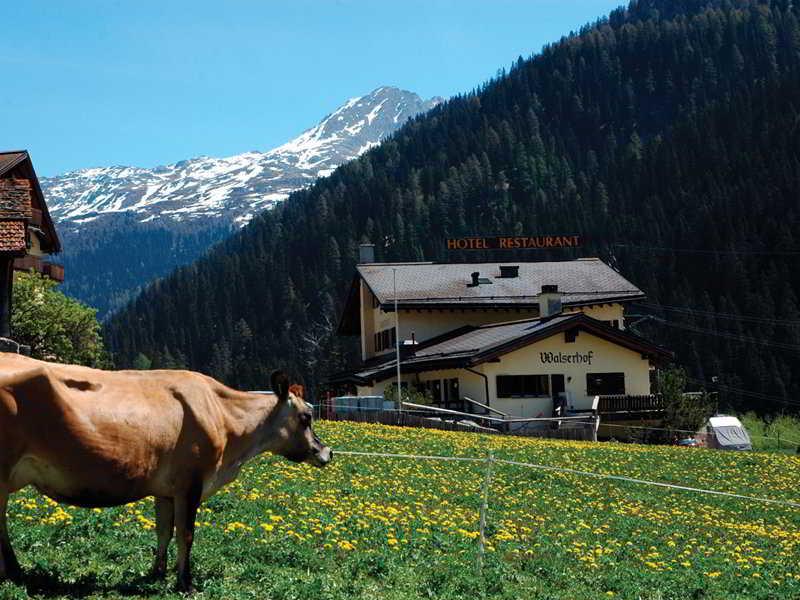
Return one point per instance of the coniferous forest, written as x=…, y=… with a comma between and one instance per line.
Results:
x=668, y=134
x=97, y=277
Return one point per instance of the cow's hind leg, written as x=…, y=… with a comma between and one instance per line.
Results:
x=165, y=526
x=9, y=567
x=185, y=514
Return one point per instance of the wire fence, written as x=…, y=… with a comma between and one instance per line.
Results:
x=582, y=428
x=787, y=442
x=493, y=459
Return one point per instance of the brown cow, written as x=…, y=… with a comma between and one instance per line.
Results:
x=103, y=438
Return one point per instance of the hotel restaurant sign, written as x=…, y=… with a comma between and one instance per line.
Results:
x=515, y=242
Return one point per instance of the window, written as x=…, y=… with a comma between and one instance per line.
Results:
x=614, y=323
x=436, y=391
x=385, y=339
x=605, y=384
x=522, y=386
x=452, y=398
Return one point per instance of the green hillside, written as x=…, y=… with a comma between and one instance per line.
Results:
x=668, y=134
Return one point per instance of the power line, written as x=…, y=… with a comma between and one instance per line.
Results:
x=730, y=336
x=710, y=252
x=718, y=315
x=741, y=392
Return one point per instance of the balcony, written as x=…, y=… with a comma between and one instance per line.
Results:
x=53, y=271
x=629, y=408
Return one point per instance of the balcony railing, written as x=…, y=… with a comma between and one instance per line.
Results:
x=631, y=404
x=26, y=263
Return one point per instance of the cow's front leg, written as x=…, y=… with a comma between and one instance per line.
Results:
x=165, y=526
x=9, y=567
x=185, y=513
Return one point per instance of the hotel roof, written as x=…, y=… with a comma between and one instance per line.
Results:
x=581, y=282
x=473, y=345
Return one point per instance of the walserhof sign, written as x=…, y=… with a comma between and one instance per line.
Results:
x=515, y=242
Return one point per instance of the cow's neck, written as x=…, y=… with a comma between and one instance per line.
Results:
x=249, y=420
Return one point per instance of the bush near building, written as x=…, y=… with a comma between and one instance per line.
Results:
x=57, y=328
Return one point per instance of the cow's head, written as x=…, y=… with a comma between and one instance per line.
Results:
x=298, y=441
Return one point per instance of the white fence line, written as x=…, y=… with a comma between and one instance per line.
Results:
x=661, y=484
x=496, y=419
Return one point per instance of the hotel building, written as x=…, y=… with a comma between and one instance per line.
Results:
x=522, y=337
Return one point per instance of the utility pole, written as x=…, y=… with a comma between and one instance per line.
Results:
x=397, y=341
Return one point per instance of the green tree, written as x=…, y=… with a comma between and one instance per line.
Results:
x=142, y=362
x=686, y=412
x=57, y=328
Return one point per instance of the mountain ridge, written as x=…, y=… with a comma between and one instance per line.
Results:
x=234, y=187
x=124, y=226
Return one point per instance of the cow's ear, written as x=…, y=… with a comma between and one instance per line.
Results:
x=280, y=385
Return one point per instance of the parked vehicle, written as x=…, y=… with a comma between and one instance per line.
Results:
x=725, y=433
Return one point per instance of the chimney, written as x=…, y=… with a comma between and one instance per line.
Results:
x=476, y=279
x=549, y=301
x=509, y=272
x=366, y=254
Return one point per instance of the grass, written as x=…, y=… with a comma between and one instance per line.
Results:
x=399, y=528
x=780, y=434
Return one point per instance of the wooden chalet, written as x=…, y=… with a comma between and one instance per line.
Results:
x=27, y=233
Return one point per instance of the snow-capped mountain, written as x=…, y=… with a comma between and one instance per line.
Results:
x=237, y=187
x=123, y=227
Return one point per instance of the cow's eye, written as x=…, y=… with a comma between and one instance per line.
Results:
x=305, y=419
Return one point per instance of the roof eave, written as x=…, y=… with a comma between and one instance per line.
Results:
x=499, y=303
x=352, y=296
x=619, y=337
x=23, y=155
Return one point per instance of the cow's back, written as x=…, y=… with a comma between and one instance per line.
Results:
x=96, y=434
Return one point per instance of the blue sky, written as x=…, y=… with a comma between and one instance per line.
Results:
x=141, y=82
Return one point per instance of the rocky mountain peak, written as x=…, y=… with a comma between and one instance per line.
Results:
x=234, y=188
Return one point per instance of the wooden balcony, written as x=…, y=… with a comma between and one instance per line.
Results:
x=53, y=271
x=626, y=408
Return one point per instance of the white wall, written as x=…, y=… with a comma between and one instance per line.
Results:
x=425, y=324
x=603, y=312
x=606, y=357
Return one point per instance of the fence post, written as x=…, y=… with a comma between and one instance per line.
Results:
x=484, y=503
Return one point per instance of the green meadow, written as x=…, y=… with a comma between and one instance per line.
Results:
x=371, y=527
